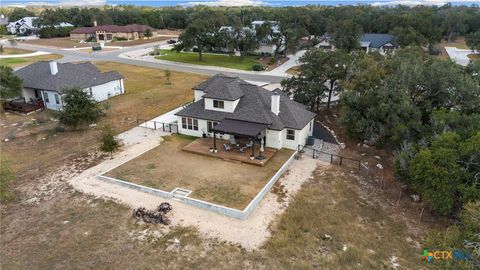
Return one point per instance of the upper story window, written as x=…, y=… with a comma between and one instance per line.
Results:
x=290, y=134
x=218, y=104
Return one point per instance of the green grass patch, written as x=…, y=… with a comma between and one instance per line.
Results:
x=217, y=60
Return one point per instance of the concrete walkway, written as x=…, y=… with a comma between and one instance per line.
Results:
x=23, y=55
x=460, y=56
x=293, y=60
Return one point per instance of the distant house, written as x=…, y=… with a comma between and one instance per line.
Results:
x=23, y=26
x=267, y=46
x=370, y=42
x=231, y=107
x=27, y=25
x=47, y=81
x=3, y=20
x=109, y=32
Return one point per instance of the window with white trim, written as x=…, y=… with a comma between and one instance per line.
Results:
x=218, y=104
x=57, y=99
x=290, y=134
x=45, y=97
x=210, y=125
x=189, y=123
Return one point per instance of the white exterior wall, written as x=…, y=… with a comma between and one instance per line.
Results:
x=202, y=128
x=198, y=95
x=274, y=139
x=51, y=104
x=107, y=90
x=229, y=106
x=28, y=94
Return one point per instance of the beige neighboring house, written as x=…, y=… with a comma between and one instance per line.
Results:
x=109, y=32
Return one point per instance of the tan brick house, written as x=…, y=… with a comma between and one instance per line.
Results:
x=109, y=32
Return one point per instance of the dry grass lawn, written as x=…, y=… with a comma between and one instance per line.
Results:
x=24, y=61
x=38, y=144
x=7, y=51
x=64, y=42
x=73, y=230
x=167, y=166
x=474, y=56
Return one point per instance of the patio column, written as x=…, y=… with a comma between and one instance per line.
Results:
x=253, y=146
x=214, y=141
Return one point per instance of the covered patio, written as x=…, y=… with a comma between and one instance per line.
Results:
x=246, y=143
x=202, y=146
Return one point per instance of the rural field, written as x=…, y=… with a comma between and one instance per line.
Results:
x=230, y=184
x=147, y=95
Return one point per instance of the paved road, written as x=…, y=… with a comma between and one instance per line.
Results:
x=114, y=56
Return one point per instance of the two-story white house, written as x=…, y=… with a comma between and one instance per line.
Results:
x=47, y=81
x=228, y=106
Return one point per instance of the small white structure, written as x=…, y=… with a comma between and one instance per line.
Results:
x=227, y=106
x=47, y=81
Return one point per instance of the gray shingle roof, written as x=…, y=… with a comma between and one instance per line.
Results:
x=254, y=106
x=221, y=87
x=83, y=75
x=378, y=40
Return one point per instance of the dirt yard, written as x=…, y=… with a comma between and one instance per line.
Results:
x=64, y=42
x=7, y=51
x=231, y=184
x=36, y=144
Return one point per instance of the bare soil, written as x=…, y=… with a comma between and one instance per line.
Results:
x=227, y=183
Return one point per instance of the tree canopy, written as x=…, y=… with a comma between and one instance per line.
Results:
x=79, y=109
x=11, y=84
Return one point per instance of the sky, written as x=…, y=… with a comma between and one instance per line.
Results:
x=233, y=2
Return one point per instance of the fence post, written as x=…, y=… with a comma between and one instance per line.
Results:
x=313, y=151
x=341, y=159
x=163, y=126
x=331, y=159
x=155, y=125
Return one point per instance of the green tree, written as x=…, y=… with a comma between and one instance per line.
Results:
x=345, y=34
x=79, y=109
x=3, y=30
x=11, y=85
x=19, y=13
x=108, y=142
x=6, y=179
x=199, y=34
x=446, y=174
x=148, y=33
x=473, y=40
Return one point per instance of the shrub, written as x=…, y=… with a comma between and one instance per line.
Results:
x=257, y=67
x=91, y=39
x=119, y=39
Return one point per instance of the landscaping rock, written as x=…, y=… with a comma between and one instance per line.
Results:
x=415, y=198
x=327, y=237
x=378, y=157
x=6, y=140
x=380, y=166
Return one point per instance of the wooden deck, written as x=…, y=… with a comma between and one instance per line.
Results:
x=202, y=146
x=21, y=106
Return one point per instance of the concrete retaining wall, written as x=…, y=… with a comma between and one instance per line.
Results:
x=234, y=213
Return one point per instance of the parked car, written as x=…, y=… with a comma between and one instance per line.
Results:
x=171, y=41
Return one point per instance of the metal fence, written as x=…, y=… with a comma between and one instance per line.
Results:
x=333, y=158
x=156, y=125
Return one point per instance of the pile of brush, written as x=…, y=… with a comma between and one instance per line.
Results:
x=155, y=217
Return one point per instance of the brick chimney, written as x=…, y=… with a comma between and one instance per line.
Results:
x=275, y=107
x=53, y=67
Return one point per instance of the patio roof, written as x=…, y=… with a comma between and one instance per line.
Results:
x=237, y=127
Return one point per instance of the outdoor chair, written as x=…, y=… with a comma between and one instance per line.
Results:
x=232, y=140
x=226, y=147
x=242, y=149
x=249, y=145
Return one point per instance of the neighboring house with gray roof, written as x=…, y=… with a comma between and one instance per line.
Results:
x=230, y=106
x=370, y=42
x=47, y=81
